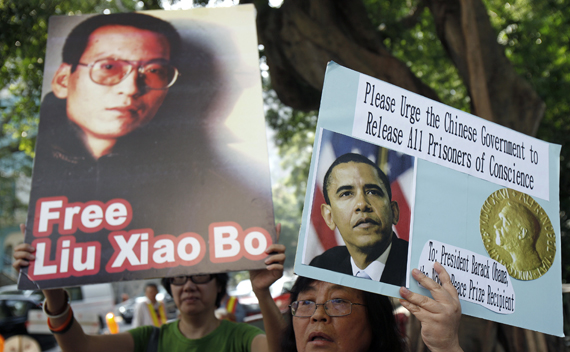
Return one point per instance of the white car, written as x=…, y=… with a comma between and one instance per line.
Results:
x=279, y=291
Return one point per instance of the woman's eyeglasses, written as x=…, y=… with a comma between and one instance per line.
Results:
x=197, y=279
x=334, y=308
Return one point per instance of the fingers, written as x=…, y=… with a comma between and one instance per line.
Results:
x=24, y=251
x=275, y=248
x=277, y=259
x=425, y=281
x=445, y=280
x=20, y=263
x=24, y=247
x=414, y=302
x=23, y=255
x=439, y=316
x=276, y=256
x=445, y=295
x=438, y=292
x=412, y=308
x=277, y=267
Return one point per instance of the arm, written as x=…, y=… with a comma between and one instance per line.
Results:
x=56, y=304
x=273, y=320
x=439, y=316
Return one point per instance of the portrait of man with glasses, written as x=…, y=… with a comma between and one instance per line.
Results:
x=161, y=109
x=115, y=74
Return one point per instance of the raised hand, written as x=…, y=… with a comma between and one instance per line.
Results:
x=23, y=253
x=439, y=316
x=263, y=278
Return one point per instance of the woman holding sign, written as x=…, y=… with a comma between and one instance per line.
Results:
x=198, y=329
x=329, y=317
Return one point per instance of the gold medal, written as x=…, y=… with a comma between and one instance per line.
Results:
x=517, y=233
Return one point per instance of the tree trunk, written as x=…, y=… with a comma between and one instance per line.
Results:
x=302, y=36
x=465, y=31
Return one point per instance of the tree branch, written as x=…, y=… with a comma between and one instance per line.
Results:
x=475, y=68
x=413, y=16
x=301, y=37
x=512, y=100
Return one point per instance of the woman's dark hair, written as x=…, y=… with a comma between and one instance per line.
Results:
x=385, y=333
x=221, y=281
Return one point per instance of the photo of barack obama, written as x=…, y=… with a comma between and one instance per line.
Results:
x=358, y=202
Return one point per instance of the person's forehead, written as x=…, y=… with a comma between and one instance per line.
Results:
x=351, y=172
x=127, y=42
x=327, y=289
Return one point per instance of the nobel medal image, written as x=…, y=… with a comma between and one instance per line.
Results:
x=517, y=232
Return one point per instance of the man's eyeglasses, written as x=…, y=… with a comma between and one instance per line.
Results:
x=334, y=308
x=155, y=74
x=197, y=279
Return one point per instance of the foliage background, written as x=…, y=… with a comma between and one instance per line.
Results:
x=534, y=34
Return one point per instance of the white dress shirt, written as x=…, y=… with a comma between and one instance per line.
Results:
x=375, y=269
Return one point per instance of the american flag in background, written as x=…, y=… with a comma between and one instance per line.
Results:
x=398, y=167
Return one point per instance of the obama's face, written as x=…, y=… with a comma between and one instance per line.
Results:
x=108, y=111
x=360, y=207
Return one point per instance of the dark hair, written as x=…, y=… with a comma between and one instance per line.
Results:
x=77, y=40
x=150, y=284
x=221, y=281
x=385, y=333
x=356, y=158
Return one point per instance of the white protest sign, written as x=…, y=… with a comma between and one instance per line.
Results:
x=482, y=200
x=407, y=122
x=477, y=278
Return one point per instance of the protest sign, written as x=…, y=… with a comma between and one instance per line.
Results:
x=151, y=156
x=477, y=197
